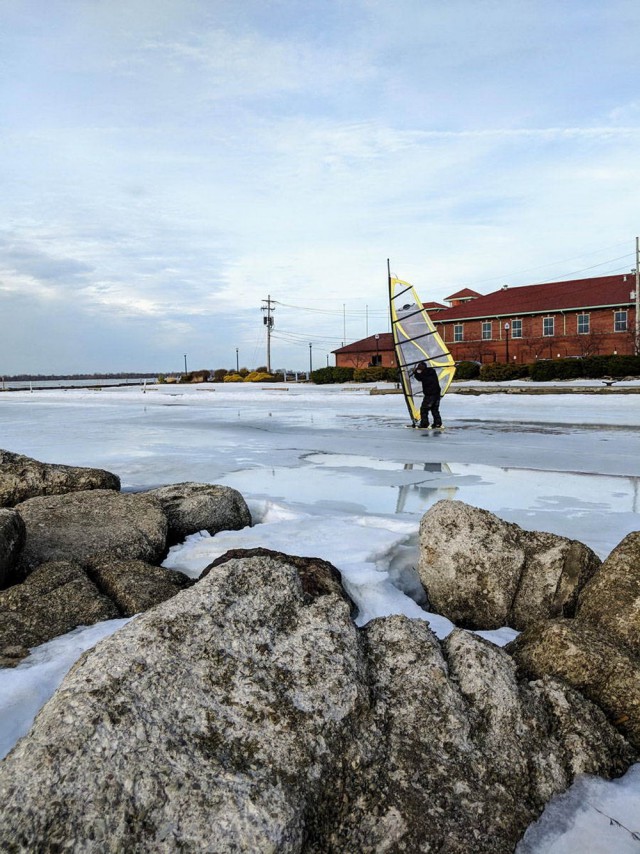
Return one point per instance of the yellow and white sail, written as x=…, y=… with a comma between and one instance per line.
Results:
x=416, y=340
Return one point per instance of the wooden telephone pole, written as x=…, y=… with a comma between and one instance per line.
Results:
x=269, y=308
x=636, y=340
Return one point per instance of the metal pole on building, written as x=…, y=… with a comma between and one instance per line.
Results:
x=637, y=335
x=506, y=335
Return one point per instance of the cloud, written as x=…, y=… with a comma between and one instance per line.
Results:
x=167, y=166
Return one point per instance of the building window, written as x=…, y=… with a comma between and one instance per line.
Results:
x=375, y=361
x=547, y=327
x=583, y=324
x=458, y=332
x=486, y=330
x=516, y=329
x=620, y=321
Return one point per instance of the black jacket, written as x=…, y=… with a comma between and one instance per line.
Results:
x=429, y=379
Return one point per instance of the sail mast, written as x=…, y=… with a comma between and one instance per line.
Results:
x=415, y=339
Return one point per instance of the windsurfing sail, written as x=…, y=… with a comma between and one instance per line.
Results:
x=416, y=340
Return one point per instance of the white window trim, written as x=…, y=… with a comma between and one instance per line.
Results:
x=553, y=327
x=513, y=332
x=626, y=319
x=588, y=329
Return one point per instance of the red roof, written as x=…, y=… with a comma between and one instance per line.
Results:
x=604, y=291
x=368, y=345
x=465, y=293
x=434, y=306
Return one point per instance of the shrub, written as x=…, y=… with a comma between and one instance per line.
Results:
x=232, y=378
x=332, y=375
x=322, y=376
x=596, y=366
x=258, y=377
x=219, y=375
x=375, y=375
x=624, y=366
x=342, y=375
x=499, y=372
x=467, y=370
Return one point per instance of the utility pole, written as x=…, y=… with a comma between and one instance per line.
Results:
x=637, y=335
x=237, y=362
x=269, y=307
x=310, y=359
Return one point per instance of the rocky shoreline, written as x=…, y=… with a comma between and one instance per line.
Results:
x=245, y=711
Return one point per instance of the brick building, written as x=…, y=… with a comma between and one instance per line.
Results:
x=583, y=317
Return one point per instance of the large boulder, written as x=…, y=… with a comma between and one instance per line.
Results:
x=217, y=721
x=611, y=599
x=92, y=527
x=136, y=586
x=12, y=537
x=192, y=507
x=22, y=478
x=483, y=573
x=249, y=714
x=55, y=599
x=458, y=754
x=579, y=654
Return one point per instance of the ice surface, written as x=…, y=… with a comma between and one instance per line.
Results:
x=330, y=472
x=27, y=687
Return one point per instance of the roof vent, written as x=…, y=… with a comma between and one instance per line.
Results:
x=504, y=287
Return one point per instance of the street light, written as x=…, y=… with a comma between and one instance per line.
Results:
x=310, y=360
x=377, y=337
x=185, y=363
x=506, y=333
x=237, y=362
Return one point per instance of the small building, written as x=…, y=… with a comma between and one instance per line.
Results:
x=371, y=352
x=581, y=317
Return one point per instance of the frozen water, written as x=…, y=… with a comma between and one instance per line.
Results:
x=329, y=472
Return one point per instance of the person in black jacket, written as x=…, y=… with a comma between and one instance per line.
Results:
x=431, y=394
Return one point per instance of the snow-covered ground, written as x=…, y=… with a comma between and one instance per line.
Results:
x=329, y=471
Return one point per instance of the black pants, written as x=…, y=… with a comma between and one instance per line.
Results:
x=430, y=404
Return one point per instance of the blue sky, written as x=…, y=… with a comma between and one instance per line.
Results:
x=168, y=164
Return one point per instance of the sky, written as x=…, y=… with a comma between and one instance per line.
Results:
x=330, y=470
x=168, y=165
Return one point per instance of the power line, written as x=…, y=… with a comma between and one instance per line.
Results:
x=356, y=312
x=550, y=264
x=592, y=267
